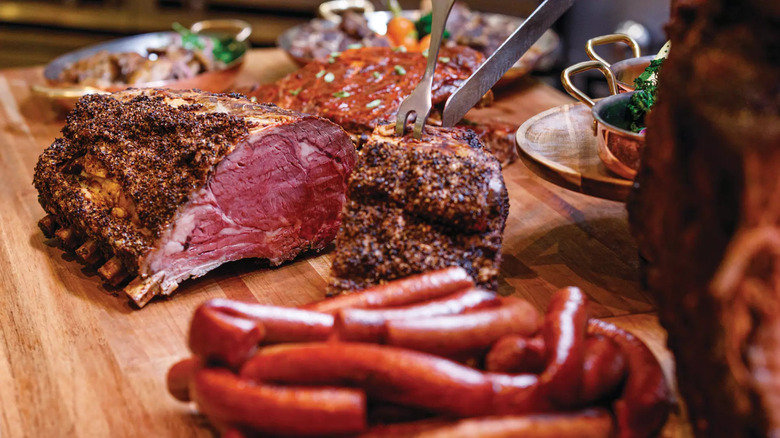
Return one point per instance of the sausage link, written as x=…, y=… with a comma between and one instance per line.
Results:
x=409, y=290
x=456, y=335
x=518, y=394
x=644, y=404
x=179, y=377
x=216, y=336
x=387, y=374
x=226, y=398
x=565, y=325
x=282, y=324
x=368, y=325
x=233, y=432
x=517, y=354
x=590, y=423
x=604, y=369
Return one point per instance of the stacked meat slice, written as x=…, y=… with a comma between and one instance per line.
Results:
x=169, y=185
x=416, y=205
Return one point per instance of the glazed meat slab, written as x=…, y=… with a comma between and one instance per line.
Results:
x=418, y=205
x=361, y=89
x=161, y=186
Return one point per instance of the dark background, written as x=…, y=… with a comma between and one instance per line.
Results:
x=34, y=32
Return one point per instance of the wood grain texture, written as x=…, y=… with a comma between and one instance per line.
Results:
x=560, y=146
x=77, y=360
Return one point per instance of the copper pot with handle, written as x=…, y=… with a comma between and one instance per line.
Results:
x=618, y=147
x=624, y=71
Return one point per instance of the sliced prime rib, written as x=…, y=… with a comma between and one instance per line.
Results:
x=362, y=88
x=417, y=205
x=706, y=213
x=169, y=185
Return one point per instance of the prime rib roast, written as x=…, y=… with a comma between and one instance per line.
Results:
x=360, y=89
x=706, y=212
x=159, y=186
x=419, y=205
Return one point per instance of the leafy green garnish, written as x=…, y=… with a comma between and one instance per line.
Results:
x=226, y=50
x=424, y=24
x=374, y=103
x=341, y=94
x=644, y=96
x=399, y=70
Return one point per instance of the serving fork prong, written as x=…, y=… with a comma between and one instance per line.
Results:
x=420, y=100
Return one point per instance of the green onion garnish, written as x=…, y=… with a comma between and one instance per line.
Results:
x=374, y=103
x=399, y=70
x=341, y=94
x=329, y=77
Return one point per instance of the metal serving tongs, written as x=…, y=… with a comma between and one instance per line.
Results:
x=420, y=101
x=472, y=90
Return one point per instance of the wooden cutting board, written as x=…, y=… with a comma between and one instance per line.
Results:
x=76, y=359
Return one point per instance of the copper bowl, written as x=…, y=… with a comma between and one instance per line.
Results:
x=619, y=148
x=217, y=81
x=625, y=71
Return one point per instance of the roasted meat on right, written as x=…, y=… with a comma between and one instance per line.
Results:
x=418, y=205
x=706, y=214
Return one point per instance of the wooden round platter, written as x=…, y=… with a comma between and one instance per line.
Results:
x=560, y=146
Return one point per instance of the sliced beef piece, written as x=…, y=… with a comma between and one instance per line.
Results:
x=169, y=185
x=706, y=213
x=363, y=88
x=417, y=205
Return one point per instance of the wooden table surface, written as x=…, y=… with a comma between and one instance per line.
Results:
x=77, y=360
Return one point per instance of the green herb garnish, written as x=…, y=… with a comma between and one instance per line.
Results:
x=226, y=50
x=329, y=77
x=444, y=59
x=374, y=103
x=320, y=74
x=424, y=24
x=377, y=75
x=645, y=91
x=296, y=91
x=399, y=70
x=341, y=94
